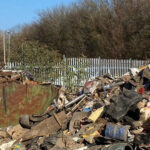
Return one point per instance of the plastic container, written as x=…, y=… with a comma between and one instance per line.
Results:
x=114, y=131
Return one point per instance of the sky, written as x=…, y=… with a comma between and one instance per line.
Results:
x=19, y=12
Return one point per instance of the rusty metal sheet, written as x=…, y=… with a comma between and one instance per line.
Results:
x=21, y=99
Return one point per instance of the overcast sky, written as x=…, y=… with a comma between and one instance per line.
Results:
x=18, y=12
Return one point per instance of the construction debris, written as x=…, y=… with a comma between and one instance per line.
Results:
x=108, y=114
x=7, y=76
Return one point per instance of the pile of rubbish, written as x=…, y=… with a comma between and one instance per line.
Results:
x=107, y=114
x=9, y=76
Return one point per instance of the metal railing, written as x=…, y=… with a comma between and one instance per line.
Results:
x=92, y=66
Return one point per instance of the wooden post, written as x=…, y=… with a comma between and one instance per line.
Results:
x=4, y=48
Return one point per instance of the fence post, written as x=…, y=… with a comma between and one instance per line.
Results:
x=65, y=61
x=130, y=63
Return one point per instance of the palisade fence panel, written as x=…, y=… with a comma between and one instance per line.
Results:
x=92, y=67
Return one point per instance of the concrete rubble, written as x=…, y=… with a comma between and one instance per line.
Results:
x=107, y=114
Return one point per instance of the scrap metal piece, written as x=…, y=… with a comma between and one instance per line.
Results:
x=76, y=106
x=119, y=132
x=75, y=100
